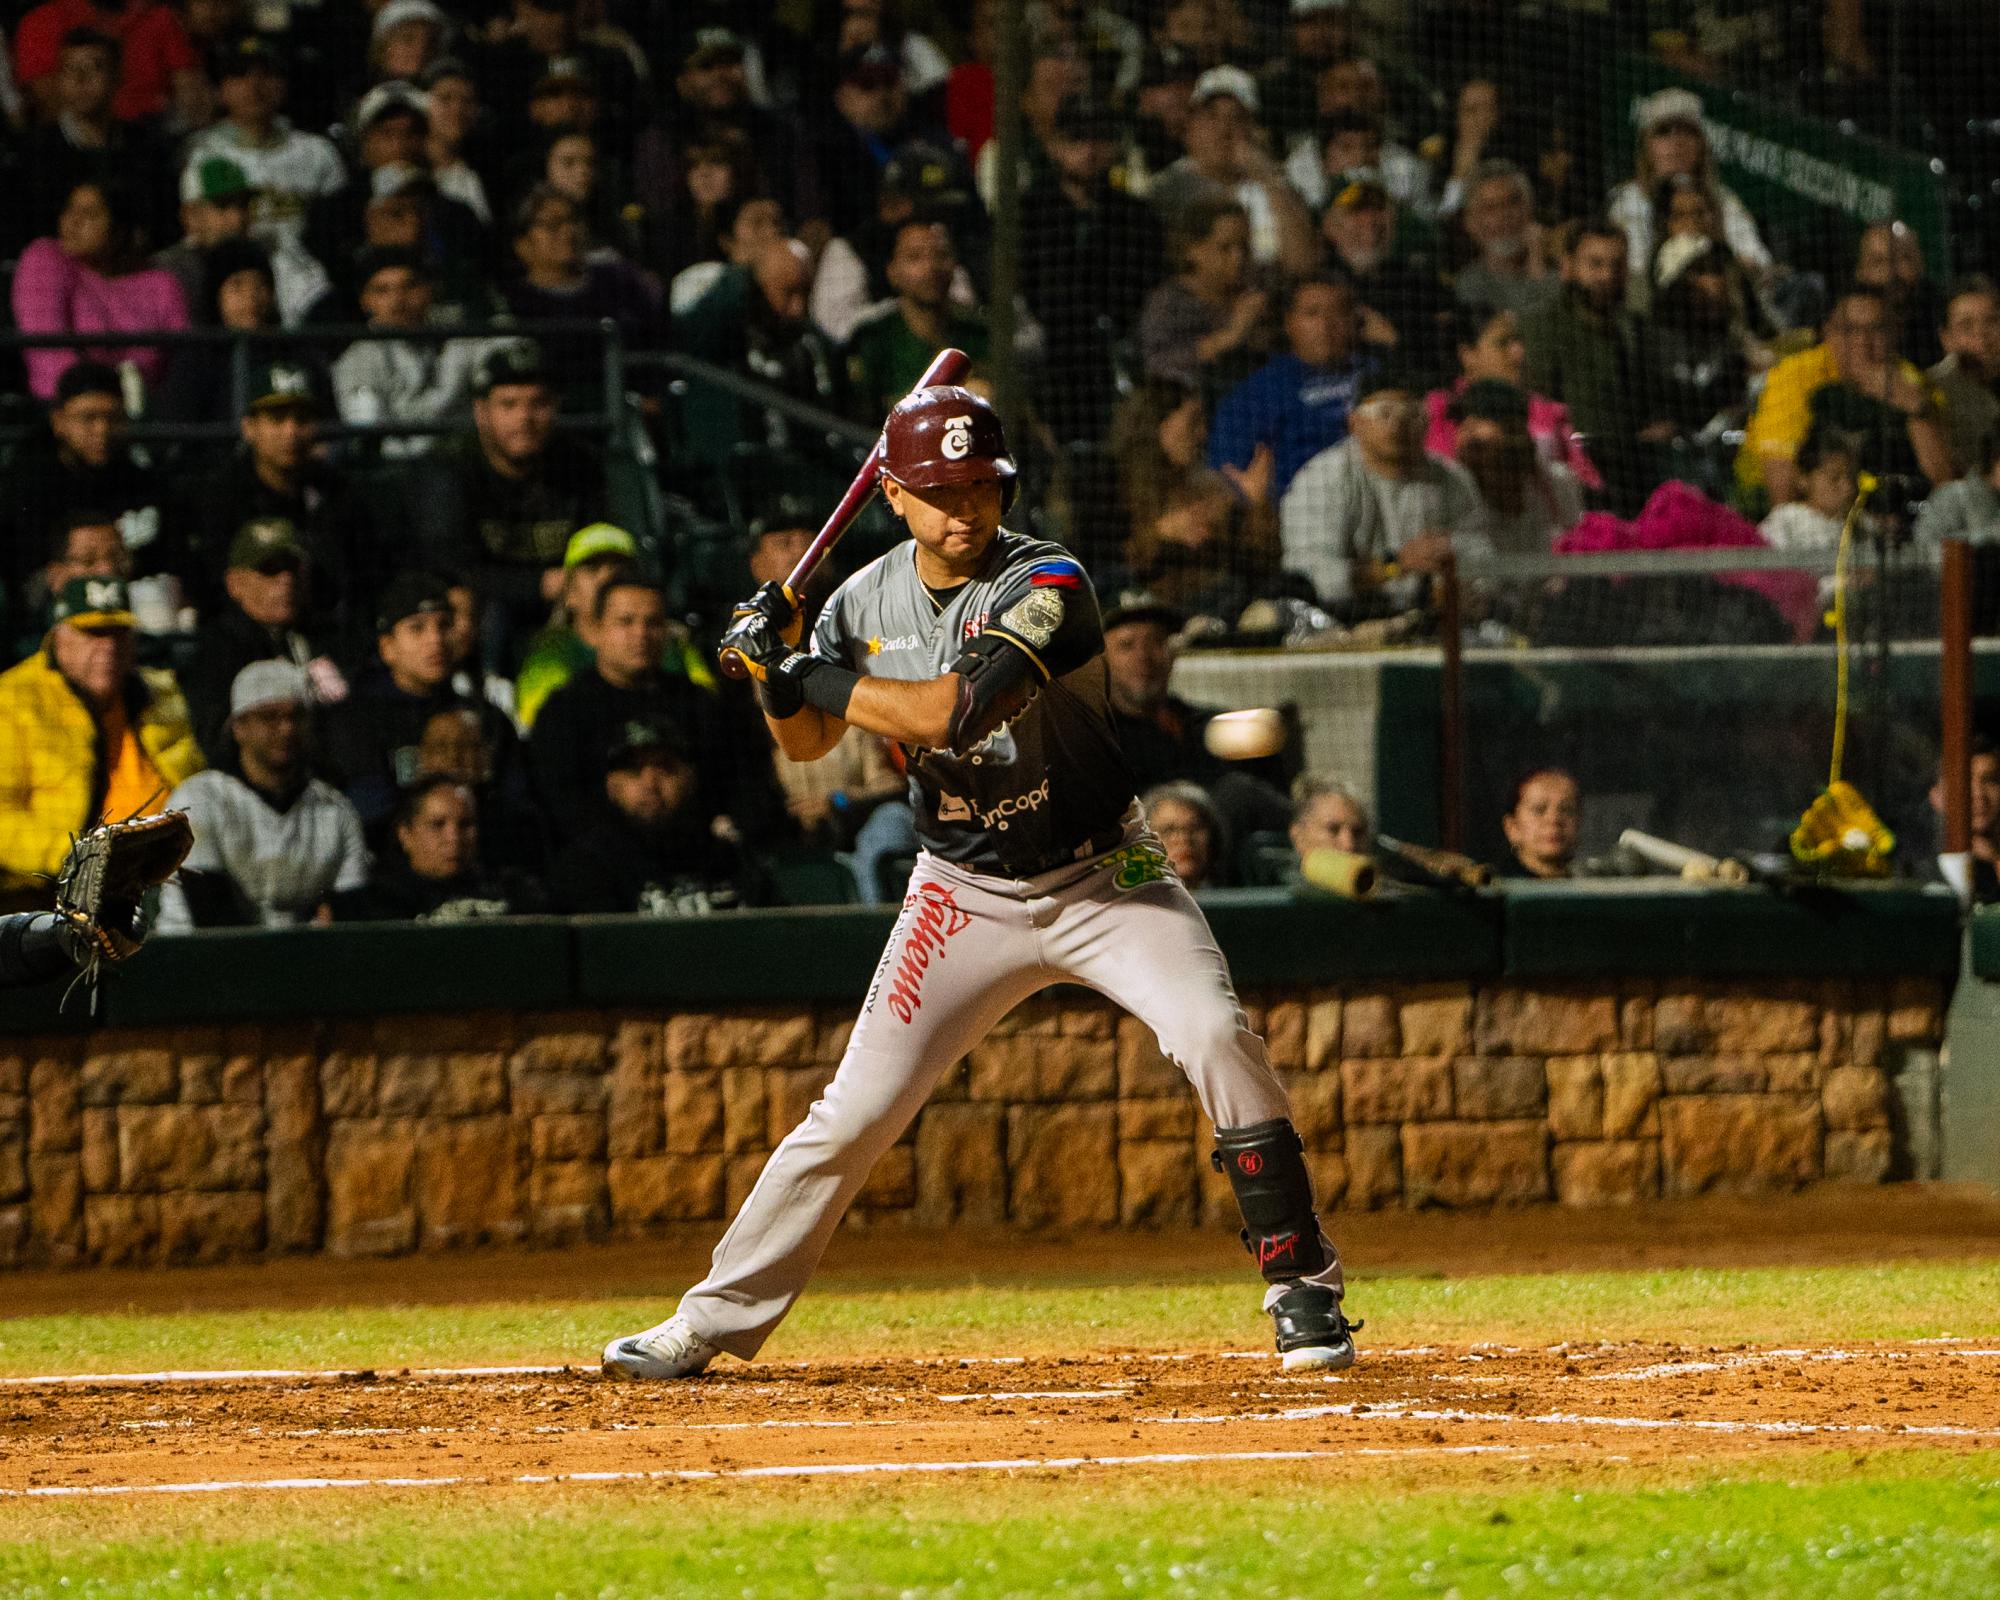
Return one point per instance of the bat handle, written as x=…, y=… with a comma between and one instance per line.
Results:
x=733, y=662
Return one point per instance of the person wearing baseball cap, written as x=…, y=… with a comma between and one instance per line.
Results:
x=565, y=646
x=86, y=735
x=216, y=200
x=645, y=846
x=1226, y=155
x=636, y=673
x=502, y=500
x=1672, y=130
x=373, y=736
x=545, y=41
x=1403, y=300
x=405, y=39
x=1317, y=34
x=272, y=843
x=276, y=474
x=266, y=589
x=289, y=168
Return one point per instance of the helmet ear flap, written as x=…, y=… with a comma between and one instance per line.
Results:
x=1010, y=486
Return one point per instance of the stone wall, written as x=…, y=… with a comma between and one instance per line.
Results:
x=425, y=1133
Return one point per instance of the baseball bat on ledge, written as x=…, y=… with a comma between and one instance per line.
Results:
x=1442, y=868
x=1693, y=866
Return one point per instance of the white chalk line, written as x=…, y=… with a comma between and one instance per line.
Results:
x=1476, y=1354
x=802, y=1470
x=1765, y=1358
x=1367, y=1411
x=283, y=1374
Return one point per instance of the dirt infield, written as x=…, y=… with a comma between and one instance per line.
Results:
x=1575, y=1404
x=1625, y=1403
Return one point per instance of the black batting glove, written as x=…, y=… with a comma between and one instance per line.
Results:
x=774, y=603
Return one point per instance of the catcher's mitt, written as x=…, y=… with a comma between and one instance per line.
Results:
x=105, y=877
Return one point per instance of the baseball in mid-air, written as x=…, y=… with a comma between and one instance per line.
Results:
x=1245, y=735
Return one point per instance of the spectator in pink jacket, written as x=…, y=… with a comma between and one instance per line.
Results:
x=91, y=278
x=1490, y=346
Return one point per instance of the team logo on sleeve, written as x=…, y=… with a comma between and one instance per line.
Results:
x=1035, y=617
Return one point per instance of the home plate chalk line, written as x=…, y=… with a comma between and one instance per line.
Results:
x=1906, y=1350
x=843, y=1469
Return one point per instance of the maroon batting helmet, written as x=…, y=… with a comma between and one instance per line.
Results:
x=947, y=435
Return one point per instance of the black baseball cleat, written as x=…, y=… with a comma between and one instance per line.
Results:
x=1313, y=1335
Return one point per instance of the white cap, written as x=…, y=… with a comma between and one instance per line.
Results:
x=1669, y=105
x=1232, y=81
x=398, y=12
x=394, y=95
x=264, y=683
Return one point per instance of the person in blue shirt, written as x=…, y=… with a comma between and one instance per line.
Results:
x=1296, y=404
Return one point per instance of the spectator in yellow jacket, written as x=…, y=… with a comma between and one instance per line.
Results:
x=85, y=735
x=1852, y=381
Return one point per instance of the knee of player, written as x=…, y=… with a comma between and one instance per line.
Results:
x=1212, y=1035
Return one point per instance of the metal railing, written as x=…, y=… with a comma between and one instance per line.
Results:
x=609, y=420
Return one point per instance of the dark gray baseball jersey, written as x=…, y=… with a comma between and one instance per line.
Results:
x=1053, y=783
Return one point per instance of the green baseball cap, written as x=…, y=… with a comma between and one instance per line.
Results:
x=94, y=603
x=216, y=178
x=285, y=386
x=597, y=541
x=267, y=543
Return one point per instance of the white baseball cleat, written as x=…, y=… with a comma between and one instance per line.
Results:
x=674, y=1349
x=1333, y=1356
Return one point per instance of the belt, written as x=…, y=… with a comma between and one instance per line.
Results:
x=1098, y=844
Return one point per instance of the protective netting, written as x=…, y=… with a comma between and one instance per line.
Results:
x=1283, y=302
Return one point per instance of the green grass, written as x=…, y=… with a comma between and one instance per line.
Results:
x=1195, y=1310
x=1829, y=1528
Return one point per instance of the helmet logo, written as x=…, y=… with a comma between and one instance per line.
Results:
x=957, y=442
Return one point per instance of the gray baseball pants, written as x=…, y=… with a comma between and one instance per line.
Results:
x=966, y=950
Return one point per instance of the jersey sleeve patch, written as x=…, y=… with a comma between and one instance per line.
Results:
x=1057, y=572
x=1035, y=616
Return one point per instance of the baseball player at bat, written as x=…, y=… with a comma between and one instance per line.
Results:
x=980, y=652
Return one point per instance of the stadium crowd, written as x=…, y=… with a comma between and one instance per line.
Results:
x=1312, y=296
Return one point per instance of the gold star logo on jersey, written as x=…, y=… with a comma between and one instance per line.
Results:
x=875, y=645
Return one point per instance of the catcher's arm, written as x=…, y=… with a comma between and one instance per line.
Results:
x=101, y=889
x=34, y=946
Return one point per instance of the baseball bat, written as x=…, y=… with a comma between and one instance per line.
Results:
x=1695, y=866
x=1445, y=867
x=947, y=366
x=1351, y=877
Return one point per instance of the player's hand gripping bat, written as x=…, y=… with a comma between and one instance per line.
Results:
x=1443, y=868
x=948, y=367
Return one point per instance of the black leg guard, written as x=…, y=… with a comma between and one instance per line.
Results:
x=1267, y=1170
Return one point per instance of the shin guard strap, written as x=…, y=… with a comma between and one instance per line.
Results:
x=1266, y=1167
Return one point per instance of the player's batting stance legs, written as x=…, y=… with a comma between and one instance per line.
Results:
x=981, y=653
